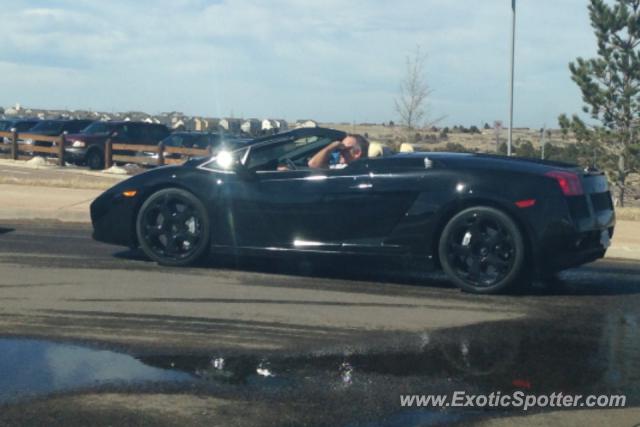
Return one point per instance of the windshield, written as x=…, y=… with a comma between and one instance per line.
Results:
x=48, y=127
x=99, y=127
x=298, y=151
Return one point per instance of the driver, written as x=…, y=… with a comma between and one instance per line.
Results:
x=350, y=149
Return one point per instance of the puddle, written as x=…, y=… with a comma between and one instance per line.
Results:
x=569, y=355
x=539, y=356
x=30, y=368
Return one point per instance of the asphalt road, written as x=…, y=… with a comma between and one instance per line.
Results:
x=342, y=343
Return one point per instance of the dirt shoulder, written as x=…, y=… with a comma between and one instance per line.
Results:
x=42, y=174
x=47, y=203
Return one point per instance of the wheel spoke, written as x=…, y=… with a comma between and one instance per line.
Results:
x=474, y=267
x=165, y=210
x=496, y=261
x=171, y=247
x=153, y=230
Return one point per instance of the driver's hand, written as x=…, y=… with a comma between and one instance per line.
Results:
x=282, y=168
x=337, y=145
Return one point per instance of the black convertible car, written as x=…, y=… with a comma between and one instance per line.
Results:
x=489, y=222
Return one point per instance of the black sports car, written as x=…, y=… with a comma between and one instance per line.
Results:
x=489, y=221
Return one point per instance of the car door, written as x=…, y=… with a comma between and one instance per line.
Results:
x=309, y=208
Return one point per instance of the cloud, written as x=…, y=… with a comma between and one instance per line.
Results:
x=331, y=60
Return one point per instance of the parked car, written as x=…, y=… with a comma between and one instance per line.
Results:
x=87, y=147
x=20, y=125
x=197, y=140
x=55, y=128
x=201, y=140
x=490, y=222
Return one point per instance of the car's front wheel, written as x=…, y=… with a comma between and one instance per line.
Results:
x=95, y=160
x=482, y=250
x=173, y=227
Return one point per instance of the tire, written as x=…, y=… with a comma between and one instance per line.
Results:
x=181, y=240
x=95, y=160
x=482, y=251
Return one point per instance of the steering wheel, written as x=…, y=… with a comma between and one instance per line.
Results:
x=290, y=165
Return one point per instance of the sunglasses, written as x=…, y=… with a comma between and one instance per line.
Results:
x=350, y=150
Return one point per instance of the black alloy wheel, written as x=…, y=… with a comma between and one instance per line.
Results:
x=482, y=250
x=173, y=227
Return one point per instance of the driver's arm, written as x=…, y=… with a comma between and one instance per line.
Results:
x=320, y=160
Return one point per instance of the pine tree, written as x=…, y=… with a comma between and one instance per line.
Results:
x=610, y=84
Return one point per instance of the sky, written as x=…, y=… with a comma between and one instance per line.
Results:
x=329, y=60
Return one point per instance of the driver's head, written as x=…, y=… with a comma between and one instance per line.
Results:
x=355, y=147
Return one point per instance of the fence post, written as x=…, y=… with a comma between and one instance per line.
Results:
x=160, y=153
x=14, y=144
x=108, y=153
x=62, y=142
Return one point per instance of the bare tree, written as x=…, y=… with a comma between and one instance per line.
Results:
x=414, y=91
x=497, y=130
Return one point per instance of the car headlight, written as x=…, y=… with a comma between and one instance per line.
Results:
x=78, y=144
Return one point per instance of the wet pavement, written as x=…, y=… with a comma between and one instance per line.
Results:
x=578, y=355
x=121, y=341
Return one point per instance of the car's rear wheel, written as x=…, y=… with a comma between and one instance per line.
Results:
x=482, y=250
x=173, y=227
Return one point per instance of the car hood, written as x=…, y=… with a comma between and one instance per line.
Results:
x=87, y=137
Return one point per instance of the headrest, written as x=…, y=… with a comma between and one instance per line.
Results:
x=406, y=148
x=375, y=149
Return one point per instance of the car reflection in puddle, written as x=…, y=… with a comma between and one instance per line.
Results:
x=581, y=356
x=541, y=356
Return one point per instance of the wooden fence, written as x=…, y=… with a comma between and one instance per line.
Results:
x=164, y=155
x=114, y=153
x=17, y=149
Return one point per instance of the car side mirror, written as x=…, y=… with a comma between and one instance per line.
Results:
x=226, y=161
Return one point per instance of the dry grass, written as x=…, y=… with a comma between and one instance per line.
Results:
x=483, y=142
x=628, y=214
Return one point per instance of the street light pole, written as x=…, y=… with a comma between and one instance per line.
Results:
x=513, y=43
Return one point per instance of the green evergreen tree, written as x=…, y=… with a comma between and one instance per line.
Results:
x=610, y=86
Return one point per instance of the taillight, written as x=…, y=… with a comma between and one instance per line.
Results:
x=569, y=182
